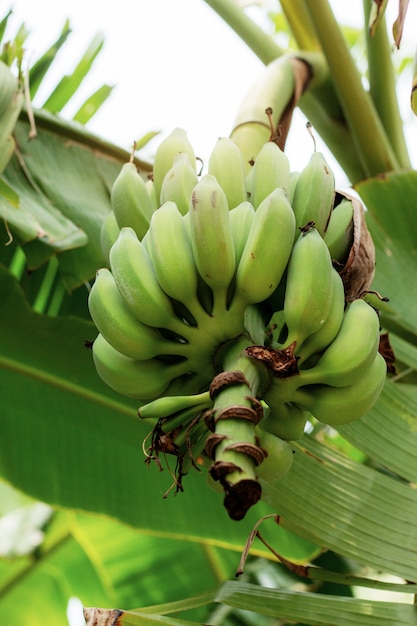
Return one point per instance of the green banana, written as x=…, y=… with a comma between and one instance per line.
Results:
x=339, y=233
x=309, y=287
x=351, y=353
x=226, y=164
x=211, y=236
x=179, y=183
x=285, y=420
x=151, y=191
x=294, y=176
x=241, y=219
x=119, y=327
x=279, y=456
x=130, y=200
x=172, y=257
x=143, y=380
x=341, y=405
x=314, y=193
x=271, y=170
x=165, y=406
x=318, y=341
x=109, y=232
x=136, y=280
x=175, y=143
x=267, y=249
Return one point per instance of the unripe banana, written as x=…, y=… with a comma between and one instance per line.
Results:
x=241, y=219
x=130, y=200
x=151, y=191
x=279, y=456
x=179, y=183
x=226, y=164
x=294, y=176
x=175, y=143
x=143, y=380
x=108, y=234
x=170, y=251
x=351, y=353
x=119, y=327
x=211, y=235
x=135, y=278
x=318, y=341
x=271, y=170
x=165, y=406
x=309, y=287
x=339, y=233
x=285, y=420
x=267, y=249
x=341, y=405
x=314, y=193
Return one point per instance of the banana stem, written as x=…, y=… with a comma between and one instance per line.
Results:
x=233, y=444
x=382, y=86
x=319, y=105
x=373, y=147
x=258, y=41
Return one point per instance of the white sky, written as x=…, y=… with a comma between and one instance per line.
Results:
x=174, y=63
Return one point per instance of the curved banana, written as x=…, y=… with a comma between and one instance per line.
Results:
x=341, y=405
x=351, y=353
x=211, y=236
x=339, y=233
x=318, y=341
x=165, y=406
x=267, y=249
x=172, y=257
x=143, y=380
x=119, y=327
x=130, y=200
x=271, y=170
x=109, y=232
x=226, y=164
x=176, y=142
x=278, y=459
x=309, y=287
x=179, y=183
x=136, y=280
x=241, y=219
x=314, y=193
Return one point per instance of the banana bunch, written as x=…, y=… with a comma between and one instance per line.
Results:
x=223, y=313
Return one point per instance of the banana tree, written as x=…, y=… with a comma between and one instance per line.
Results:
x=71, y=446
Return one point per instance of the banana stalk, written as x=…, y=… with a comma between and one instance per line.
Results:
x=233, y=444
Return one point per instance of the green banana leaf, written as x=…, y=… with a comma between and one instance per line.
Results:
x=390, y=200
x=294, y=606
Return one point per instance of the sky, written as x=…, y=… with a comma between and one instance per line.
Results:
x=173, y=63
